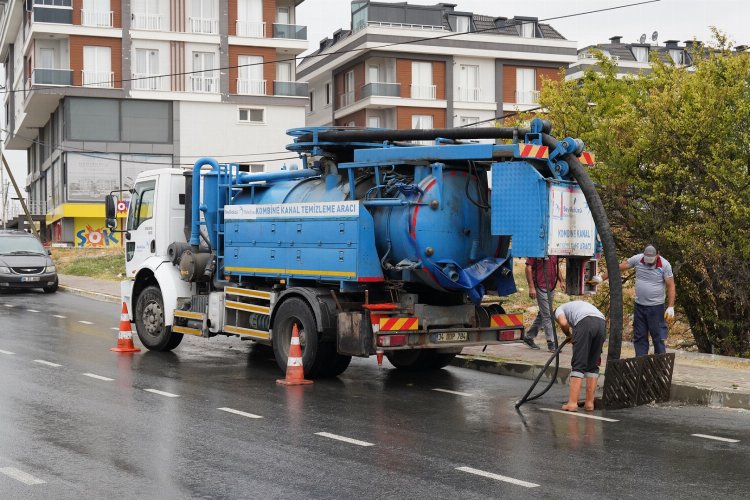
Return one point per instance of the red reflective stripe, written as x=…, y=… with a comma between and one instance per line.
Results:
x=541, y=152
x=389, y=324
x=416, y=211
x=526, y=149
x=370, y=279
x=385, y=306
x=409, y=324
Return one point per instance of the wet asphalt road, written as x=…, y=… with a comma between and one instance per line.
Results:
x=79, y=436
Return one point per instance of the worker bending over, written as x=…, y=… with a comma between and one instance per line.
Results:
x=588, y=331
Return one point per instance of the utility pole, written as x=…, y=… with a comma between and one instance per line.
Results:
x=20, y=197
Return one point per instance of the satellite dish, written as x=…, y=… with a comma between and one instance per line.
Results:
x=643, y=38
x=654, y=36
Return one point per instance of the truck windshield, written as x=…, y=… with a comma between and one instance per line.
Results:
x=20, y=245
x=141, y=204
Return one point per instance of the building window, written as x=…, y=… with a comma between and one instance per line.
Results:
x=203, y=19
x=526, y=86
x=347, y=97
x=421, y=122
x=468, y=121
x=678, y=56
x=421, y=80
x=328, y=94
x=283, y=72
x=146, y=15
x=640, y=54
x=373, y=73
x=97, y=67
x=283, y=16
x=96, y=13
x=373, y=121
x=146, y=68
x=251, y=115
x=462, y=24
x=250, y=19
x=528, y=30
x=250, y=80
x=203, y=79
x=469, y=87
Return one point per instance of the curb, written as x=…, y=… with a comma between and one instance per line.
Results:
x=682, y=393
x=104, y=297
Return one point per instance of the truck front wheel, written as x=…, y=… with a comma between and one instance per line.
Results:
x=149, y=322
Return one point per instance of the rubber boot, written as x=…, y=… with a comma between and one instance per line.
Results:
x=590, y=393
x=575, y=391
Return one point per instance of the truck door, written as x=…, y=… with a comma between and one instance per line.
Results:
x=140, y=239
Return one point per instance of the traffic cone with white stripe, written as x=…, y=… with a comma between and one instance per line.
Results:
x=295, y=372
x=125, y=337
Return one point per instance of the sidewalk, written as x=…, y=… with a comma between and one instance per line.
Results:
x=703, y=379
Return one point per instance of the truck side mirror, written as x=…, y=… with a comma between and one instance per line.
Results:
x=110, y=210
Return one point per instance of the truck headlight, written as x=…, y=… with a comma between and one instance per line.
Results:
x=4, y=270
x=50, y=269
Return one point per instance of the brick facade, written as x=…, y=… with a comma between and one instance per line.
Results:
x=509, y=79
x=359, y=118
x=76, y=55
x=404, y=115
x=114, y=5
x=269, y=70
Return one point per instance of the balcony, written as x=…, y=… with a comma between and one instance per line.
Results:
x=251, y=30
x=150, y=22
x=290, y=31
x=203, y=25
x=98, y=79
x=52, y=11
x=383, y=89
x=144, y=81
x=293, y=89
x=346, y=99
x=251, y=87
x=423, y=91
x=204, y=84
x=469, y=94
x=47, y=76
x=527, y=97
x=97, y=18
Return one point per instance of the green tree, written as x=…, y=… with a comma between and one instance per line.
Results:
x=673, y=158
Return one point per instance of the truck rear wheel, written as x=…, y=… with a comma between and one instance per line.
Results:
x=420, y=359
x=319, y=359
x=149, y=322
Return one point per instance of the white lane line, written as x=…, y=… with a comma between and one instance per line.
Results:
x=578, y=414
x=454, y=392
x=716, y=438
x=497, y=477
x=20, y=475
x=115, y=329
x=343, y=438
x=85, y=322
x=48, y=363
x=32, y=310
x=98, y=377
x=162, y=393
x=238, y=412
x=9, y=305
x=59, y=316
x=6, y=352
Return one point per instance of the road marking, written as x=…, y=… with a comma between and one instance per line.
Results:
x=98, y=377
x=32, y=310
x=582, y=415
x=453, y=392
x=343, y=438
x=238, y=412
x=85, y=322
x=6, y=352
x=497, y=477
x=59, y=316
x=716, y=438
x=117, y=330
x=20, y=475
x=9, y=305
x=162, y=393
x=48, y=363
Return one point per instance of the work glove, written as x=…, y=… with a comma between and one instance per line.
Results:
x=669, y=314
x=597, y=279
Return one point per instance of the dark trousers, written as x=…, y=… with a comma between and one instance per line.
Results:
x=649, y=320
x=588, y=339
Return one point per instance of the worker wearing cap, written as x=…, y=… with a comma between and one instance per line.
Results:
x=653, y=275
x=588, y=331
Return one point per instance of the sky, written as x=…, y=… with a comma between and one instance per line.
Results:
x=672, y=19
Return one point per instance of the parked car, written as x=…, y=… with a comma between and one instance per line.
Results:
x=25, y=263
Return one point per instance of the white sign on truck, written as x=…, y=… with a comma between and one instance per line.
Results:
x=571, y=226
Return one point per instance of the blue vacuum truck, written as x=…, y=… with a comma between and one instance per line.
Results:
x=375, y=244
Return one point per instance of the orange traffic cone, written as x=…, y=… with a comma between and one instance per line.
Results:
x=295, y=372
x=125, y=337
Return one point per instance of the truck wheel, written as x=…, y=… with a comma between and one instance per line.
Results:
x=420, y=359
x=149, y=322
x=338, y=363
x=318, y=358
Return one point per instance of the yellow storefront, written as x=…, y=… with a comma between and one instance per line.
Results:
x=82, y=225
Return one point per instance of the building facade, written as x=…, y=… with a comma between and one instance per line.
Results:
x=99, y=90
x=447, y=68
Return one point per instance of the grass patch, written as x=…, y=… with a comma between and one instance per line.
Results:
x=101, y=263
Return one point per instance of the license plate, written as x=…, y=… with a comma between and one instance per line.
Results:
x=30, y=278
x=451, y=337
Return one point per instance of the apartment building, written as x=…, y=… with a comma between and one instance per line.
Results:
x=100, y=90
x=447, y=67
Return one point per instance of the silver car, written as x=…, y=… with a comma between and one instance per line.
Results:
x=24, y=263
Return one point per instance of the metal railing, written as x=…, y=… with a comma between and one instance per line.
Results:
x=252, y=30
x=203, y=25
x=468, y=94
x=251, y=87
x=35, y=208
x=97, y=18
x=48, y=76
x=589, y=55
x=150, y=22
x=346, y=99
x=386, y=89
x=527, y=97
x=423, y=91
x=290, y=31
x=421, y=27
x=202, y=83
x=98, y=79
x=294, y=89
x=144, y=81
